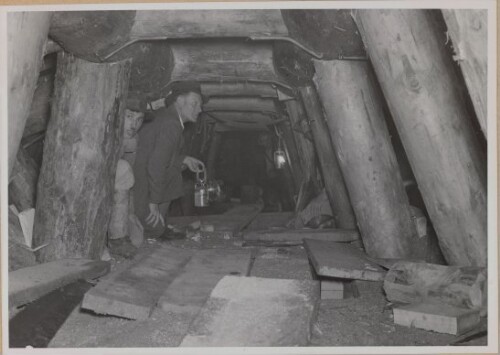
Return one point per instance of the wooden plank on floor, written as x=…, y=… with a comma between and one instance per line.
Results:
x=189, y=291
x=253, y=311
x=342, y=261
x=441, y=318
x=39, y=321
x=222, y=224
x=270, y=220
x=134, y=292
x=287, y=235
x=31, y=283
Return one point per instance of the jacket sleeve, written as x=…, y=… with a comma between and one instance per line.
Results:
x=160, y=163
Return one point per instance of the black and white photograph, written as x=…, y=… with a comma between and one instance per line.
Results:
x=272, y=177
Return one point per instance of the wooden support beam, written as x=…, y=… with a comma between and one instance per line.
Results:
x=39, y=114
x=423, y=94
x=332, y=176
x=213, y=152
x=75, y=188
x=251, y=104
x=468, y=30
x=238, y=89
x=305, y=147
x=24, y=177
x=26, y=38
x=360, y=138
x=225, y=60
x=293, y=162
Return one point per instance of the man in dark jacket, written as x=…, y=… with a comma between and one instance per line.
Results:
x=160, y=161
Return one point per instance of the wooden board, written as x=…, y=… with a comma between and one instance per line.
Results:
x=31, y=283
x=252, y=311
x=224, y=61
x=238, y=89
x=223, y=224
x=189, y=291
x=440, y=318
x=270, y=220
x=134, y=292
x=246, y=104
x=284, y=235
x=208, y=23
x=341, y=260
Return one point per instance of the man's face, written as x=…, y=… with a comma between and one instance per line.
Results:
x=133, y=121
x=190, y=105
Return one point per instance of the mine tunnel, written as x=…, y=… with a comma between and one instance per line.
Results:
x=331, y=191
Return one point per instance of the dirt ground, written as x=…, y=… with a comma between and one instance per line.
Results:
x=363, y=321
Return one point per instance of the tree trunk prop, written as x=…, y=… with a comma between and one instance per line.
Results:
x=416, y=77
x=24, y=177
x=82, y=146
x=366, y=157
x=26, y=38
x=332, y=176
x=468, y=30
x=305, y=147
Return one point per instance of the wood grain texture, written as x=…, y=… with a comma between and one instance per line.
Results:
x=224, y=60
x=238, y=89
x=423, y=95
x=332, y=176
x=26, y=38
x=366, y=157
x=340, y=260
x=24, y=178
x=303, y=140
x=208, y=23
x=252, y=104
x=468, y=30
x=83, y=139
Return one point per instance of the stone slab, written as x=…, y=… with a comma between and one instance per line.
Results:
x=440, y=318
x=341, y=260
x=134, y=292
x=190, y=290
x=31, y=283
x=252, y=311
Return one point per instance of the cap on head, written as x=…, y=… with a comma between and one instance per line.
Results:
x=181, y=88
x=137, y=104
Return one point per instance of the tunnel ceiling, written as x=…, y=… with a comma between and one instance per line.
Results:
x=245, y=60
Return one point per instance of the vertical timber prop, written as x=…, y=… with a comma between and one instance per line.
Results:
x=468, y=30
x=82, y=147
x=361, y=140
x=423, y=95
x=293, y=166
x=26, y=38
x=305, y=148
x=332, y=176
x=213, y=152
x=24, y=177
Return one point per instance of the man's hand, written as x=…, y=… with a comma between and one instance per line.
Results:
x=154, y=215
x=194, y=164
